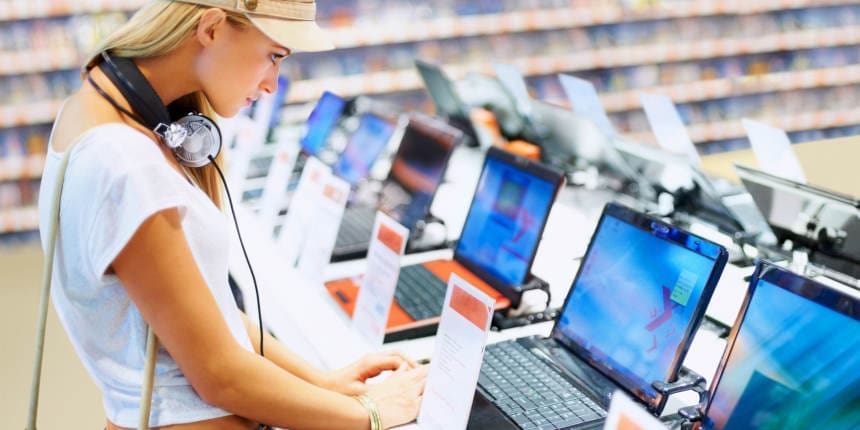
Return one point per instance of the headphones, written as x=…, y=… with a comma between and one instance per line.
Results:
x=193, y=138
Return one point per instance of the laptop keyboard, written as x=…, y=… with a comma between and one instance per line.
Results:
x=420, y=293
x=531, y=393
x=356, y=227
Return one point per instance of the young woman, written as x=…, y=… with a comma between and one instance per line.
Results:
x=142, y=239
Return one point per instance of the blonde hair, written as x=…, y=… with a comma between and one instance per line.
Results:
x=158, y=28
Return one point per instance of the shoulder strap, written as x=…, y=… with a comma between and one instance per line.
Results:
x=45, y=296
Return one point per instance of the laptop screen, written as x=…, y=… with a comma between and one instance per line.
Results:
x=640, y=293
x=441, y=90
x=418, y=168
x=363, y=147
x=506, y=218
x=792, y=360
x=321, y=122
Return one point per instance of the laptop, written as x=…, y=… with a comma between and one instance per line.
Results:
x=826, y=222
x=321, y=122
x=363, y=148
x=495, y=252
x=629, y=318
x=448, y=103
x=407, y=193
x=792, y=357
x=695, y=193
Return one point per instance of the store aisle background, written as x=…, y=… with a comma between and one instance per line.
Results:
x=69, y=399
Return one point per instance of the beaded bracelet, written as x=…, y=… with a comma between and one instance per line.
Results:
x=370, y=405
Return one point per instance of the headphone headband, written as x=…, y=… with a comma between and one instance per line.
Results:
x=193, y=138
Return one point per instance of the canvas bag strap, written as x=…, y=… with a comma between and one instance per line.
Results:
x=45, y=296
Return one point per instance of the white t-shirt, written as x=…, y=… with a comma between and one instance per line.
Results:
x=116, y=179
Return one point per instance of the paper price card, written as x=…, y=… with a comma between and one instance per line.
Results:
x=668, y=127
x=323, y=226
x=772, y=150
x=295, y=230
x=380, y=279
x=625, y=414
x=585, y=102
x=457, y=357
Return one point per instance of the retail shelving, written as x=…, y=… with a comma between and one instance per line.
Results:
x=20, y=10
x=32, y=113
x=407, y=79
x=579, y=17
x=19, y=219
x=733, y=129
x=26, y=167
x=553, y=19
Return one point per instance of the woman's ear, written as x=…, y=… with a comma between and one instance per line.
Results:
x=210, y=22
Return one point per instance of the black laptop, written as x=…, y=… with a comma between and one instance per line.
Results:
x=448, y=103
x=495, y=252
x=793, y=357
x=628, y=320
x=407, y=193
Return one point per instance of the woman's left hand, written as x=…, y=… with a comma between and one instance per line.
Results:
x=350, y=380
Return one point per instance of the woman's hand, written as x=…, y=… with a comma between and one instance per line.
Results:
x=351, y=380
x=398, y=397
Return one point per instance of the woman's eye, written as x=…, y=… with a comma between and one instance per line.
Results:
x=276, y=57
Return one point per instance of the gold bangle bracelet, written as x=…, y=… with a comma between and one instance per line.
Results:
x=372, y=410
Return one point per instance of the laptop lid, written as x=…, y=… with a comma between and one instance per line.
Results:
x=637, y=299
x=321, y=122
x=363, y=148
x=506, y=220
x=791, y=361
x=448, y=103
x=790, y=207
x=418, y=168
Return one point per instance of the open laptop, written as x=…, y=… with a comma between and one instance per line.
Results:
x=792, y=357
x=695, y=193
x=448, y=103
x=407, y=193
x=629, y=318
x=495, y=251
x=826, y=222
x=321, y=122
x=363, y=148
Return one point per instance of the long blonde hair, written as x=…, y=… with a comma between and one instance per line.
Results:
x=158, y=28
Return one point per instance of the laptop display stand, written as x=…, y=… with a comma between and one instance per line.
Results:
x=688, y=380
x=510, y=318
x=418, y=243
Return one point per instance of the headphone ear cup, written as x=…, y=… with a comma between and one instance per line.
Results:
x=203, y=140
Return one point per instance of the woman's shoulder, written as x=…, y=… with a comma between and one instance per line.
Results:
x=102, y=136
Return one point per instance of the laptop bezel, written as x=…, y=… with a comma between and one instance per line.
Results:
x=442, y=131
x=814, y=291
x=642, y=221
x=533, y=168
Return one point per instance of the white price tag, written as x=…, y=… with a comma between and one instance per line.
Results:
x=668, y=127
x=296, y=227
x=457, y=357
x=323, y=227
x=585, y=102
x=380, y=279
x=773, y=151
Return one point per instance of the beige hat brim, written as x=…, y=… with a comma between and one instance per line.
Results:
x=298, y=36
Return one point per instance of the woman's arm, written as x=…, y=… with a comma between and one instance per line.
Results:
x=282, y=357
x=159, y=273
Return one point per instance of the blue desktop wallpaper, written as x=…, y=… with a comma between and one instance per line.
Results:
x=633, y=300
x=505, y=221
x=363, y=148
x=795, y=365
x=321, y=122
